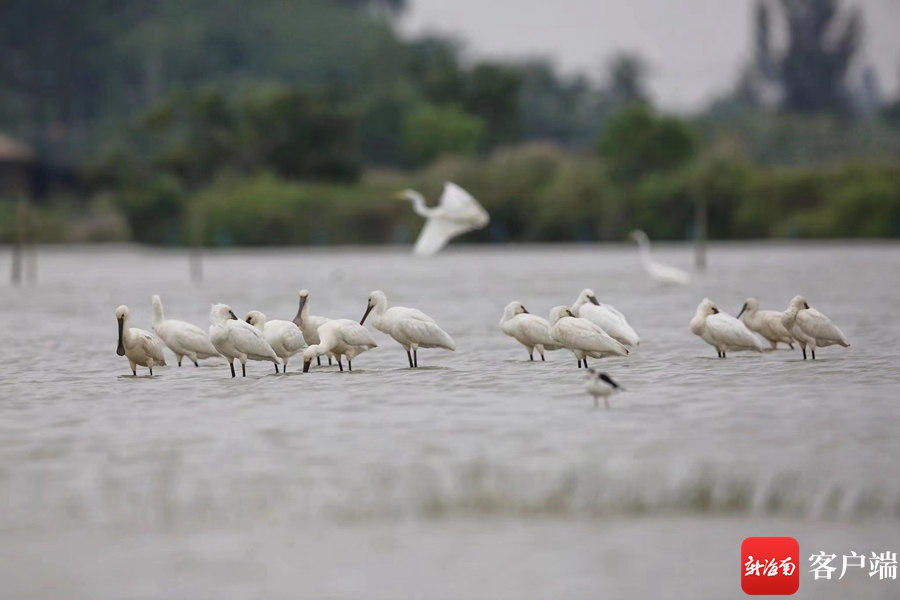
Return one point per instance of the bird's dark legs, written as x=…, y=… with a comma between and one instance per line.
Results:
x=579, y=363
x=585, y=362
x=231, y=363
x=179, y=361
x=340, y=366
x=790, y=345
x=318, y=361
x=329, y=361
x=813, y=354
x=416, y=358
x=542, y=356
x=804, y=353
x=276, y=367
x=349, y=365
x=243, y=369
x=409, y=356
x=151, y=368
x=134, y=372
x=196, y=364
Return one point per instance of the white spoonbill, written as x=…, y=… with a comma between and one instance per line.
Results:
x=137, y=345
x=811, y=328
x=457, y=212
x=530, y=330
x=766, y=323
x=721, y=330
x=658, y=271
x=600, y=385
x=309, y=324
x=608, y=318
x=582, y=337
x=284, y=337
x=340, y=337
x=411, y=328
x=235, y=339
x=182, y=338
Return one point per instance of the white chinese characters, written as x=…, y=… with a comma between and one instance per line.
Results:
x=769, y=568
x=884, y=564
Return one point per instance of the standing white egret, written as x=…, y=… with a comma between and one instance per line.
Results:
x=599, y=385
x=530, y=330
x=721, y=330
x=811, y=328
x=411, y=328
x=608, y=318
x=182, y=338
x=284, y=337
x=658, y=271
x=340, y=337
x=309, y=324
x=766, y=323
x=137, y=345
x=457, y=212
x=235, y=339
x=582, y=337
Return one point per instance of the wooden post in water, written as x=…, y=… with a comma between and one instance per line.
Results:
x=197, y=219
x=700, y=225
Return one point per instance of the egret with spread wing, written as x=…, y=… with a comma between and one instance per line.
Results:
x=457, y=213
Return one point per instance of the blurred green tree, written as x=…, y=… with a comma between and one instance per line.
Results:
x=430, y=131
x=821, y=46
x=636, y=141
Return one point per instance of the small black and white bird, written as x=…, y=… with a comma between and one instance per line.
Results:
x=600, y=384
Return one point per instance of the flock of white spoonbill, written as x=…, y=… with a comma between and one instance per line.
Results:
x=588, y=329
x=260, y=339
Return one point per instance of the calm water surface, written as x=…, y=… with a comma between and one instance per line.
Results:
x=479, y=475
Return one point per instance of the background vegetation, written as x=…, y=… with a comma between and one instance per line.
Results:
x=295, y=122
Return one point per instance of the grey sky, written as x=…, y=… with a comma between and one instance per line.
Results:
x=695, y=46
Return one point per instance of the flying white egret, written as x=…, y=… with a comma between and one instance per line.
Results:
x=599, y=385
x=340, y=337
x=411, y=328
x=766, y=323
x=284, y=337
x=582, y=337
x=658, y=271
x=235, y=339
x=137, y=345
x=608, y=318
x=457, y=212
x=309, y=324
x=530, y=330
x=811, y=328
x=182, y=338
x=721, y=330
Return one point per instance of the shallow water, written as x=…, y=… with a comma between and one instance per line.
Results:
x=480, y=474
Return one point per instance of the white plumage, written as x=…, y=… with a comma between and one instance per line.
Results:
x=582, y=337
x=811, y=328
x=659, y=272
x=600, y=385
x=457, y=213
x=284, y=337
x=182, y=338
x=236, y=339
x=530, y=330
x=608, y=318
x=309, y=324
x=137, y=345
x=340, y=337
x=766, y=323
x=411, y=328
x=721, y=330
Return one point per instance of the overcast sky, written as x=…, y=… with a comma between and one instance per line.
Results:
x=694, y=46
